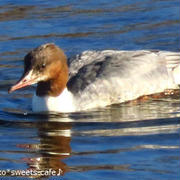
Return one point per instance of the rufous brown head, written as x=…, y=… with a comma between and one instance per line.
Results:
x=47, y=66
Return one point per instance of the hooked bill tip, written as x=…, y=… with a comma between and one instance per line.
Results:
x=10, y=90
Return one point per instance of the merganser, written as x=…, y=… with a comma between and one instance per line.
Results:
x=96, y=78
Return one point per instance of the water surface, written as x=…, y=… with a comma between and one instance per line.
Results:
x=127, y=141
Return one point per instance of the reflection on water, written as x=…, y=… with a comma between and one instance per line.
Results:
x=138, y=140
x=53, y=147
x=92, y=141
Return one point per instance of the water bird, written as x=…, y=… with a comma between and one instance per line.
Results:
x=96, y=79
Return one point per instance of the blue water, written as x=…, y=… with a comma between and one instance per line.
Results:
x=127, y=141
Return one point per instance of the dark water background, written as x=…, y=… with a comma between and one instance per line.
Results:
x=127, y=141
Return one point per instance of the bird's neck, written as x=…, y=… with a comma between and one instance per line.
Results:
x=55, y=86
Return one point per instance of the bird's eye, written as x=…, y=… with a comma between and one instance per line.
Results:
x=43, y=65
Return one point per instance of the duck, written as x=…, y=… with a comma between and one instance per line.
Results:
x=95, y=79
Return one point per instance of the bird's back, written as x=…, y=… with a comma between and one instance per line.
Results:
x=99, y=78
